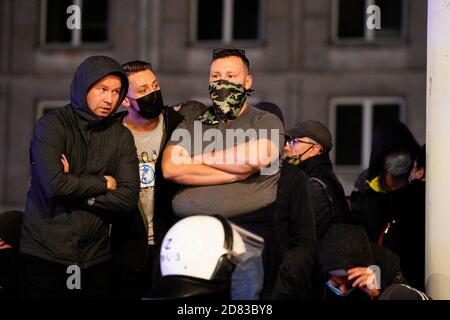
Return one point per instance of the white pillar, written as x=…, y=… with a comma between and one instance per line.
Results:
x=437, y=273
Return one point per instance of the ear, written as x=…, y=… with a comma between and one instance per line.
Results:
x=420, y=173
x=248, y=82
x=126, y=102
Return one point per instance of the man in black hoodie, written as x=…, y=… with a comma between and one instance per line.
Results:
x=84, y=172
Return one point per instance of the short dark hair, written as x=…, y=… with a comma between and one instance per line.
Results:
x=136, y=66
x=219, y=53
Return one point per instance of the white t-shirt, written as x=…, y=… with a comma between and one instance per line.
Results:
x=148, y=145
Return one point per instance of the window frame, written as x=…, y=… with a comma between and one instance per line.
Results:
x=227, y=26
x=76, y=35
x=367, y=104
x=369, y=35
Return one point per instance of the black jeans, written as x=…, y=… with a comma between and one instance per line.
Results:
x=42, y=280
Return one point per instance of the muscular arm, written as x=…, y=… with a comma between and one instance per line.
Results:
x=179, y=167
x=245, y=158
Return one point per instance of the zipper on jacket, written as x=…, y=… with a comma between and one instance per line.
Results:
x=385, y=231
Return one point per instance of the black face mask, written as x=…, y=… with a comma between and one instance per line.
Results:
x=150, y=105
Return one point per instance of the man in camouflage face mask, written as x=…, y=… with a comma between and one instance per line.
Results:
x=229, y=175
x=228, y=87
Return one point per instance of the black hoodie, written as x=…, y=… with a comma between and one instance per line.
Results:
x=66, y=219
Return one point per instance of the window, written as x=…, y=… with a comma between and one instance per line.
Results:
x=352, y=123
x=350, y=19
x=93, y=18
x=226, y=20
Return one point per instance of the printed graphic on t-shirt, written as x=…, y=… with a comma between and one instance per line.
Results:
x=147, y=170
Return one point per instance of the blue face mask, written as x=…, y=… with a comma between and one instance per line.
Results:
x=338, y=292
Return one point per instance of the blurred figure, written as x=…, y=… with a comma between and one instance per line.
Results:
x=10, y=223
x=400, y=291
x=393, y=138
x=392, y=211
x=352, y=268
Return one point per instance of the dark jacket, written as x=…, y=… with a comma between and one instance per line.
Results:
x=374, y=210
x=66, y=219
x=327, y=195
x=294, y=218
x=405, y=236
x=129, y=234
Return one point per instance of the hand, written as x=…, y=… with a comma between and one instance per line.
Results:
x=365, y=279
x=111, y=183
x=65, y=163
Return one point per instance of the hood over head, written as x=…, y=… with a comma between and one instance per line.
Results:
x=394, y=136
x=345, y=246
x=88, y=73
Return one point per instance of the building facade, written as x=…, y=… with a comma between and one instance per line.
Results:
x=316, y=59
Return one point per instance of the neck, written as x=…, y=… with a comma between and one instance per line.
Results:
x=138, y=124
x=244, y=107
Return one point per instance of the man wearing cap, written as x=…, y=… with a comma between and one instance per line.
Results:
x=308, y=147
x=84, y=172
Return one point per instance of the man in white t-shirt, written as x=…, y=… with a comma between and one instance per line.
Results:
x=136, y=237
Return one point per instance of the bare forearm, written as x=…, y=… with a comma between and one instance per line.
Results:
x=245, y=158
x=199, y=175
x=179, y=167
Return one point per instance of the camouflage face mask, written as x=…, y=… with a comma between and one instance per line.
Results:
x=227, y=98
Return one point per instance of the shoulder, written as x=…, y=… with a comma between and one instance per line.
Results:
x=56, y=118
x=264, y=118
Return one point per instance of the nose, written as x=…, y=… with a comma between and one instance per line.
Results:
x=108, y=97
x=287, y=146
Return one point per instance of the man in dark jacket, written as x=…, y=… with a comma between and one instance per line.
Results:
x=308, y=148
x=391, y=210
x=84, y=172
x=136, y=237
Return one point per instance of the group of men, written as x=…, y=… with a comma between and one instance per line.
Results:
x=107, y=186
